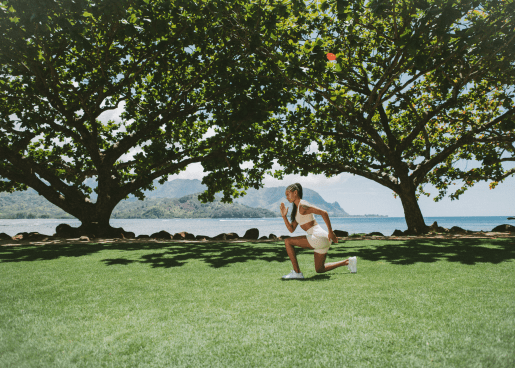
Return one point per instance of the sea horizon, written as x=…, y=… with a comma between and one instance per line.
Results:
x=266, y=226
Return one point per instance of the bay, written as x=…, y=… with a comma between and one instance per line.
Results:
x=266, y=226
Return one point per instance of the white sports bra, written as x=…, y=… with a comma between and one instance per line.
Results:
x=304, y=219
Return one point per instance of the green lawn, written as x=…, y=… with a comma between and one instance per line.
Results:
x=413, y=303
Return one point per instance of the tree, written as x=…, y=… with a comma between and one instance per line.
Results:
x=189, y=90
x=416, y=86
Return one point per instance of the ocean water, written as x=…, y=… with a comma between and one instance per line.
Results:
x=266, y=226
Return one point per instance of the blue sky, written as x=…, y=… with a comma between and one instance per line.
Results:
x=360, y=196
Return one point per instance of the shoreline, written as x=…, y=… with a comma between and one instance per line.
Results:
x=37, y=239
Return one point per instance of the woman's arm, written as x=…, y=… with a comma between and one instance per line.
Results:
x=304, y=210
x=290, y=226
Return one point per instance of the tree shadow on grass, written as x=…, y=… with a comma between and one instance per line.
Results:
x=167, y=255
x=221, y=254
x=408, y=252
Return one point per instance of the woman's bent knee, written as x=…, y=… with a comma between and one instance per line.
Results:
x=320, y=269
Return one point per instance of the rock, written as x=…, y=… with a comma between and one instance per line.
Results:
x=4, y=236
x=263, y=238
x=457, y=230
x=226, y=236
x=84, y=238
x=128, y=235
x=341, y=233
x=202, y=237
x=504, y=228
x=18, y=237
x=34, y=236
x=220, y=237
x=272, y=236
x=397, y=233
x=251, y=234
x=434, y=228
x=66, y=231
x=162, y=235
x=375, y=233
x=143, y=236
x=183, y=236
x=282, y=237
x=231, y=236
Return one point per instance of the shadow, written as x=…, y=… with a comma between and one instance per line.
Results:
x=167, y=255
x=407, y=252
x=222, y=254
x=317, y=277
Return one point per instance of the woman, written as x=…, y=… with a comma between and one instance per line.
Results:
x=317, y=239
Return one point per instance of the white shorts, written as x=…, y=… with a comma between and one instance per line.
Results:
x=318, y=239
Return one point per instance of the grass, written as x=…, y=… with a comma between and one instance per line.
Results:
x=413, y=303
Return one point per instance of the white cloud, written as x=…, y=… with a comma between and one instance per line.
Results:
x=114, y=114
x=193, y=171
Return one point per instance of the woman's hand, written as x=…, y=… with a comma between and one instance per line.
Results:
x=284, y=210
x=332, y=237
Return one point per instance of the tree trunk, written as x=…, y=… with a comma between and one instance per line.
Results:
x=94, y=223
x=412, y=213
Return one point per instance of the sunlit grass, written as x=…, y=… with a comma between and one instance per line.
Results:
x=415, y=303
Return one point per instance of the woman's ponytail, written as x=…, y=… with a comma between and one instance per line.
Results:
x=291, y=188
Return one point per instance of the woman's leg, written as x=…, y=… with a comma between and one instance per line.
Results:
x=321, y=266
x=297, y=241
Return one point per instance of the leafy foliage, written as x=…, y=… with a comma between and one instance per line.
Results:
x=417, y=86
x=188, y=89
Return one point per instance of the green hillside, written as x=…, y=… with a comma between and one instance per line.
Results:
x=29, y=204
x=186, y=207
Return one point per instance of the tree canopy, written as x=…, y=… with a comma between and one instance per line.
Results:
x=189, y=89
x=416, y=87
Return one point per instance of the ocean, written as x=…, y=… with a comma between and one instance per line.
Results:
x=266, y=226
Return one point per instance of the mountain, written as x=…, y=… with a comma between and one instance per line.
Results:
x=186, y=207
x=29, y=204
x=268, y=198
x=271, y=198
x=173, y=199
x=170, y=189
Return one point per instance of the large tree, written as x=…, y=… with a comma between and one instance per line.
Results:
x=416, y=87
x=188, y=89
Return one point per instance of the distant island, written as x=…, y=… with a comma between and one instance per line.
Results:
x=173, y=199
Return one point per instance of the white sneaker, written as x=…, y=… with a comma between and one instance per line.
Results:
x=353, y=264
x=293, y=275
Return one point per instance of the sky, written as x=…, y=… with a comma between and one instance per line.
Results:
x=361, y=196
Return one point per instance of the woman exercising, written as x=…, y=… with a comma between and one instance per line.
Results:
x=317, y=238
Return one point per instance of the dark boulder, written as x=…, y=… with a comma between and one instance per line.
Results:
x=128, y=235
x=434, y=228
x=162, y=235
x=226, y=236
x=142, y=236
x=4, y=236
x=202, y=237
x=263, y=238
x=183, y=236
x=397, y=233
x=272, y=236
x=252, y=234
x=504, y=228
x=341, y=233
x=92, y=230
x=457, y=230
x=67, y=231
x=231, y=236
